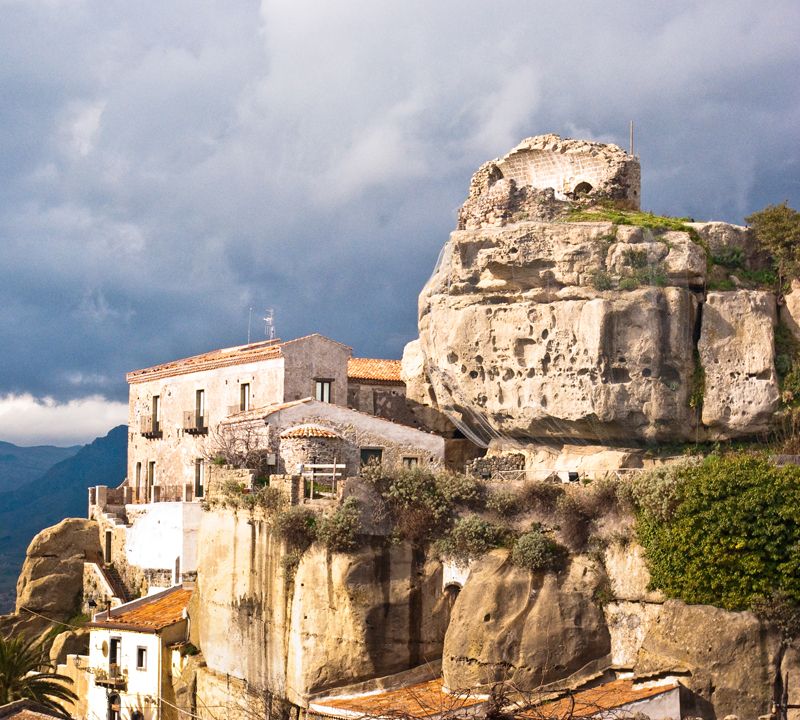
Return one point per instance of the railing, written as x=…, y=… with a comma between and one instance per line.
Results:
x=315, y=479
x=173, y=493
x=545, y=474
x=113, y=676
x=194, y=423
x=149, y=426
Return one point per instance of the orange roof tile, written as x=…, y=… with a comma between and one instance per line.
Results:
x=603, y=697
x=424, y=699
x=309, y=431
x=384, y=371
x=238, y=355
x=150, y=616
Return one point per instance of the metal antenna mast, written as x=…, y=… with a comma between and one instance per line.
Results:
x=249, y=320
x=269, y=328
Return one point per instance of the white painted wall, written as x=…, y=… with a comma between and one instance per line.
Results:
x=164, y=532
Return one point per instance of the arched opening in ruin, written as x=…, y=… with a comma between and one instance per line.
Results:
x=582, y=188
x=451, y=592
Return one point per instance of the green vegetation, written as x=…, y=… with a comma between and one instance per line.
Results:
x=600, y=279
x=504, y=503
x=421, y=504
x=777, y=228
x=698, y=387
x=471, y=537
x=722, y=532
x=537, y=551
x=26, y=671
x=296, y=526
x=339, y=532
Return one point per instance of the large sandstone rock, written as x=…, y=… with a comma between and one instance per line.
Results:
x=341, y=619
x=737, y=354
x=733, y=658
x=627, y=570
x=530, y=628
x=722, y=238
x=519, y=344
x=790, y=310
x=628, y=624
x=52, y=576
x=71, y=642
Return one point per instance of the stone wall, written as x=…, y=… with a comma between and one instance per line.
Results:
x=290, y=485
x=491, y=464
x=296, y=451
x=342, y=618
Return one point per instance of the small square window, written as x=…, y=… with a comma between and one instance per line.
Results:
x=410, y=462
x=141, y=658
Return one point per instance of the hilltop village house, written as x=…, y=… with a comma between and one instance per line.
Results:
x=306, y=406
x=136, y=658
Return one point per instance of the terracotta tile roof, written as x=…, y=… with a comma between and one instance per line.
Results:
x=383, y=371
x=150, y=616
x=238, y=355
x=604, y=697
x=424, y=699
x=309, y=431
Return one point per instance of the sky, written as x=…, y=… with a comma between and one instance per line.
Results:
x=166, y=167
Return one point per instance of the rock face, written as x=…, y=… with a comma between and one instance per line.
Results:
x=587, y=331
x=52, y=575
x=733, y=658
x=341, y=619
x=509, y=623
x=72, y=642
x=737, y=352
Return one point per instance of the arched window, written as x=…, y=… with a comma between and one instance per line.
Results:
x=582, y=188
x=113, y=706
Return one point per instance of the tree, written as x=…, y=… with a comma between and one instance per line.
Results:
x=777, y=229
x=27, y=672
x=242, y=445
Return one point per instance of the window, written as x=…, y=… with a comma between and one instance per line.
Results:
x=107, y=553
x=141, y=658
x=199, y=472
x=371, y=456
x=410, y=462
x=200, y=409
x=138, y=480
x=323, y=390
x=113, y=655
x=244, y=397
x=156, y=413
x=151, y=480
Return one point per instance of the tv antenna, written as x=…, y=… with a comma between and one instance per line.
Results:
x=269, y=328
x=249, y=320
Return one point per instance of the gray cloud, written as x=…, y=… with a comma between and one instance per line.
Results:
x=168, y=166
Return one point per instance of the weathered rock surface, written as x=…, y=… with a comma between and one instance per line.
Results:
x=790, y=310
x=71, y=642
x=52, y=576
x=530, y=628
x=733, y=658
x=627, y=570
x=532, y=327
x=737, y=354
x=519, y=344
x=628, y=624
x=342, y=619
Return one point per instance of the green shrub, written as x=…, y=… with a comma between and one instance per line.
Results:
x=600, y=279
x=290, y=562
x=271, y=499
x=535, y=551
x=339, y=532
x=730, y=258
x=723, y=532
x=504, y=503
x=777, y=229
x=540, y=495
x=628, y=284
x=296, y=526
x=422, y=504
x=470, y=538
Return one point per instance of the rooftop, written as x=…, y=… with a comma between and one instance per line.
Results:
x=383, y=371
x=239, y=355
x=422, y=700
x=609, y=696
x=146, y=615
x=309, y=431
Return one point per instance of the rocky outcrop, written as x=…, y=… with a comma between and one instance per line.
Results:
x=52, y=576
x=529, y=628
x=587, y=331
x=339, y=620
x=729, y=660
x=71, y=642
x=737, y=353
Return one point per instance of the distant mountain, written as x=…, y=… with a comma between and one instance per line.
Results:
x=61, y=492
x=20, y=465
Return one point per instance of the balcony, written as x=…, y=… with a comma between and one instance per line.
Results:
x=113, y=677
x=150, y=427
x=194, y=423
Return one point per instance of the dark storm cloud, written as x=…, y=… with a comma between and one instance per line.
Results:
x=168, y=166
